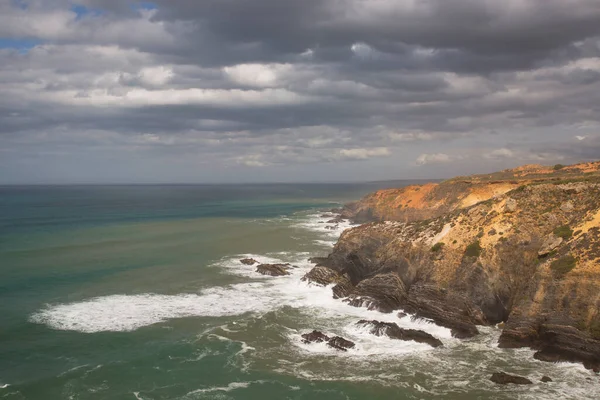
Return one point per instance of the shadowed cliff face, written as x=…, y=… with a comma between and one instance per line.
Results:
x=529, y=257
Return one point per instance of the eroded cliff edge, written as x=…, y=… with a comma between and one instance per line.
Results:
x=524, y=251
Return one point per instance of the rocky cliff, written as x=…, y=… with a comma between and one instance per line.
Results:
x=418, y=202
x=519, y=247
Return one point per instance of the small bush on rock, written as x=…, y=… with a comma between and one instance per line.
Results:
x=563, y=265
x=437, y=247
x=473, y=250
x=564, y=232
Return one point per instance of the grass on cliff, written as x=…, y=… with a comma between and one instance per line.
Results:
x=437, y=247
x=564, y=232
x=564, y=265
x=473, y=250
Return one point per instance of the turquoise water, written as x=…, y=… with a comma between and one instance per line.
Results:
x=125, y=292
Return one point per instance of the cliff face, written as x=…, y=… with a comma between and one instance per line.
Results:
x=529, y=257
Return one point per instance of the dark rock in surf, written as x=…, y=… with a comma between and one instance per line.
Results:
x=314, y=337
x=248, y=261
x=273, y=269
x=393, y=331
x=322, y=276
x=336, y=342
x=339, y=343
x=384, y=292
x=504, y=379
x=546, y=379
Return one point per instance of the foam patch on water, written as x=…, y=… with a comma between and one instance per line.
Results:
x=228, y=388
x=130, y=312
x=329, y=231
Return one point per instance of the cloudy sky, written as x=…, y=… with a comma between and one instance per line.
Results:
x=294, y=90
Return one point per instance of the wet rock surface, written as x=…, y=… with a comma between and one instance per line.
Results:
x=274, y=269
x=248, y=261
x=504, y=379
x=314, y=337
x=322, y=276
x=336, y=342
x=339, y=343
x=393, y=331
x=384, y=292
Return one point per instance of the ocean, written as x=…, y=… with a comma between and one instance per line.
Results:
x=137, y=292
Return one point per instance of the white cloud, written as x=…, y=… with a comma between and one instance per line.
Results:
x=258, y=75
x=500, y=153
x=156, y=76
x=436, y=158
x=363, y=154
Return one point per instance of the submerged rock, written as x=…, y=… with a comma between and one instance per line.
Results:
x=273, y=269
x=504, y=379
x=393, y=331
x=546, y=379
x=248, y=261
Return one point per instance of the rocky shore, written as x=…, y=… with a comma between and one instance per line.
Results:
x=520, y=247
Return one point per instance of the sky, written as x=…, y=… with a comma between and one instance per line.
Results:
x=208, y=91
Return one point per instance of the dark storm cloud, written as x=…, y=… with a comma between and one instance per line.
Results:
x=258, y=83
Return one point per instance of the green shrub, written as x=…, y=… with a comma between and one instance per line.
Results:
x=437, y=247
x=564, y=232
x=473, y=250
x=558, y=166
x=563, y=265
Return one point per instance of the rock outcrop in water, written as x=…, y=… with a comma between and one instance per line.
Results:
x=274, y=269
x=504, y=379
x=336, y=342
x=521, y=246
x=393, y=331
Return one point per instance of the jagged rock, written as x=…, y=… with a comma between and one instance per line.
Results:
x=319, y=260
x=510, y=205
x=546, y=379
x=322, y=276
x=343, y=288
x=393, y=331
x=401, y=314
x=504, y=378
x=446, y=309
x=314, y=337
x=384, y=292
x=340, y=343
x=248, y=261
x=550, y=244
x=273, y=269
x=567, y=206
x=553, y=338
x=336, y=342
